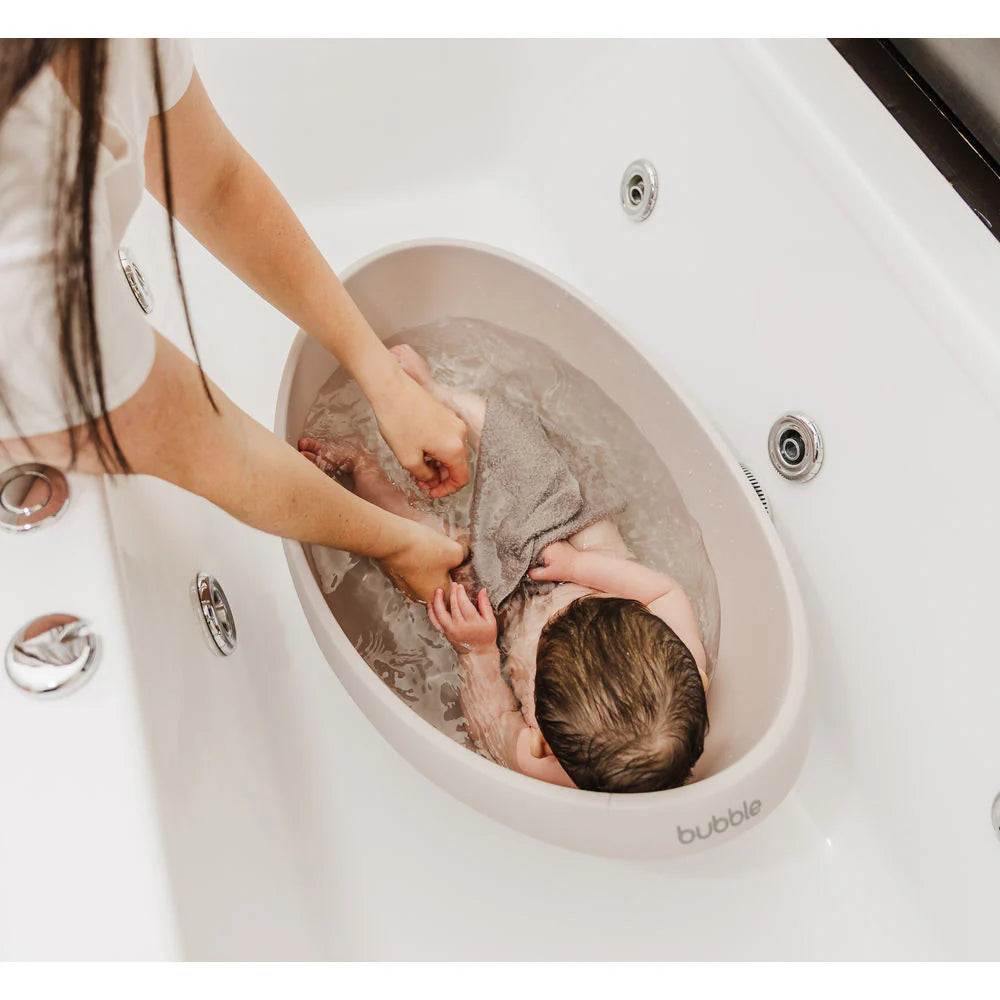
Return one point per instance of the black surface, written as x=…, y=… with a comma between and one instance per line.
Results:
x=934, y=126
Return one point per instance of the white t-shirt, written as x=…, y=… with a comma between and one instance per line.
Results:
x=30, y=368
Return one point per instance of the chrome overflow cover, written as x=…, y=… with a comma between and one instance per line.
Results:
x=136, y=281
x=638, y=189
x=213, y=610
x=795, y=447
x=52, y=654
x=31, y=495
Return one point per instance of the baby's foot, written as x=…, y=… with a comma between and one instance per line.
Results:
x=340, y=457
x=412, y=363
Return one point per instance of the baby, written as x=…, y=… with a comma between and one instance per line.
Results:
x=599, y=677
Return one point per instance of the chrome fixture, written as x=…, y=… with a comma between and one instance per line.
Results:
x=796, y=447
x=136, y=281
x=53, y=654
x=215, y=614
x=639, y=189
x=31, y=496
x=758, y=489
x=996, y=816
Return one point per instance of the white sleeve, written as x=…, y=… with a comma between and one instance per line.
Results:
x=176, y=68
x=29, y=342
x=30, y=366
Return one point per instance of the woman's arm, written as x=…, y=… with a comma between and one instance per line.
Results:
x=168, y=429
x=227, y=202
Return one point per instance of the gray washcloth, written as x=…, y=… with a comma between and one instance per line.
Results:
x=525, y=497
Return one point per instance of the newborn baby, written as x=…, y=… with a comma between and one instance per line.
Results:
x=599, y=677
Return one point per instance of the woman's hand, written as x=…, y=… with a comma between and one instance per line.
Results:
x=558, y=563
x=426, y=437
x=421, y=566
x=469, y=629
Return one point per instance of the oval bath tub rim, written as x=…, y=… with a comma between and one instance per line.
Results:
x=757, y=701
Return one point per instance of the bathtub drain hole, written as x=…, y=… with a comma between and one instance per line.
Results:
x=31, y=496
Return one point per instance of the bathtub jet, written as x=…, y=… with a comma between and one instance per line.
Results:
x=758, y=738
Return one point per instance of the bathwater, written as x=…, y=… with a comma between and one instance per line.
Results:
x=394, y=635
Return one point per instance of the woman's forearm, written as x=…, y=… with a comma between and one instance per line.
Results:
x=168, y=429
x=254, y=232
x=230, y=205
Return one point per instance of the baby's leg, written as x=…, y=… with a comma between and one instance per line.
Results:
x=348, y=458
x=470, y=407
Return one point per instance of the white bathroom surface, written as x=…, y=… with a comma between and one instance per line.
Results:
x=803, y=255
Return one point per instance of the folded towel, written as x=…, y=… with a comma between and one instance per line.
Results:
x=526, y=496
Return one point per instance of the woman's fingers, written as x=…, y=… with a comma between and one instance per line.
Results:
x=424, y=473
x=454, y=470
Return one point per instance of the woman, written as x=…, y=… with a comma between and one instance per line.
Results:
x=86, y=383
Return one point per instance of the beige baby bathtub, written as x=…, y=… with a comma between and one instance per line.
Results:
x=758, y=735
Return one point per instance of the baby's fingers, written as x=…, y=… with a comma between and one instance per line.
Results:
x=485, y=608
x=456, y=606
x=468, y=608
x=440, y=611
x=543, y=573
x=432, y=615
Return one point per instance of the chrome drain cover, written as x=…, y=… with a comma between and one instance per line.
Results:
x=53, y=654
x=136, y=279
x=215, y=614
x=31, y=495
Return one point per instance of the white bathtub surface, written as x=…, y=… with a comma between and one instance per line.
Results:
x=803, y=256
x=81, y=862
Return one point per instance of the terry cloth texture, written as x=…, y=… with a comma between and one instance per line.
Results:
x=526, y=496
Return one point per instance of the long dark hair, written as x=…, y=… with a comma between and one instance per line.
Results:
x=84, y=400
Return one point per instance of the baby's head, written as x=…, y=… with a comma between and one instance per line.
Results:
x=618, y=697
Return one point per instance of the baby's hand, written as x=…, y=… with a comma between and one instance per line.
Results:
x=469, y=629
x=558, y=559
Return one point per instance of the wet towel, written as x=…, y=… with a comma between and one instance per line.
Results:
x=526, y=495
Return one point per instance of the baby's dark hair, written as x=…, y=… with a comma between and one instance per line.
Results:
x=618, y=697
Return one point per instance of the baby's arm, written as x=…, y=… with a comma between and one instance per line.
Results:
x=611, y=574
x=490, y=709
x=601, y=536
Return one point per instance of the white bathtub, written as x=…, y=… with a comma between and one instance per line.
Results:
x=803, y=256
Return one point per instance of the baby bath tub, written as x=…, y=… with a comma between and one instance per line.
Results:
x=758, y=735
